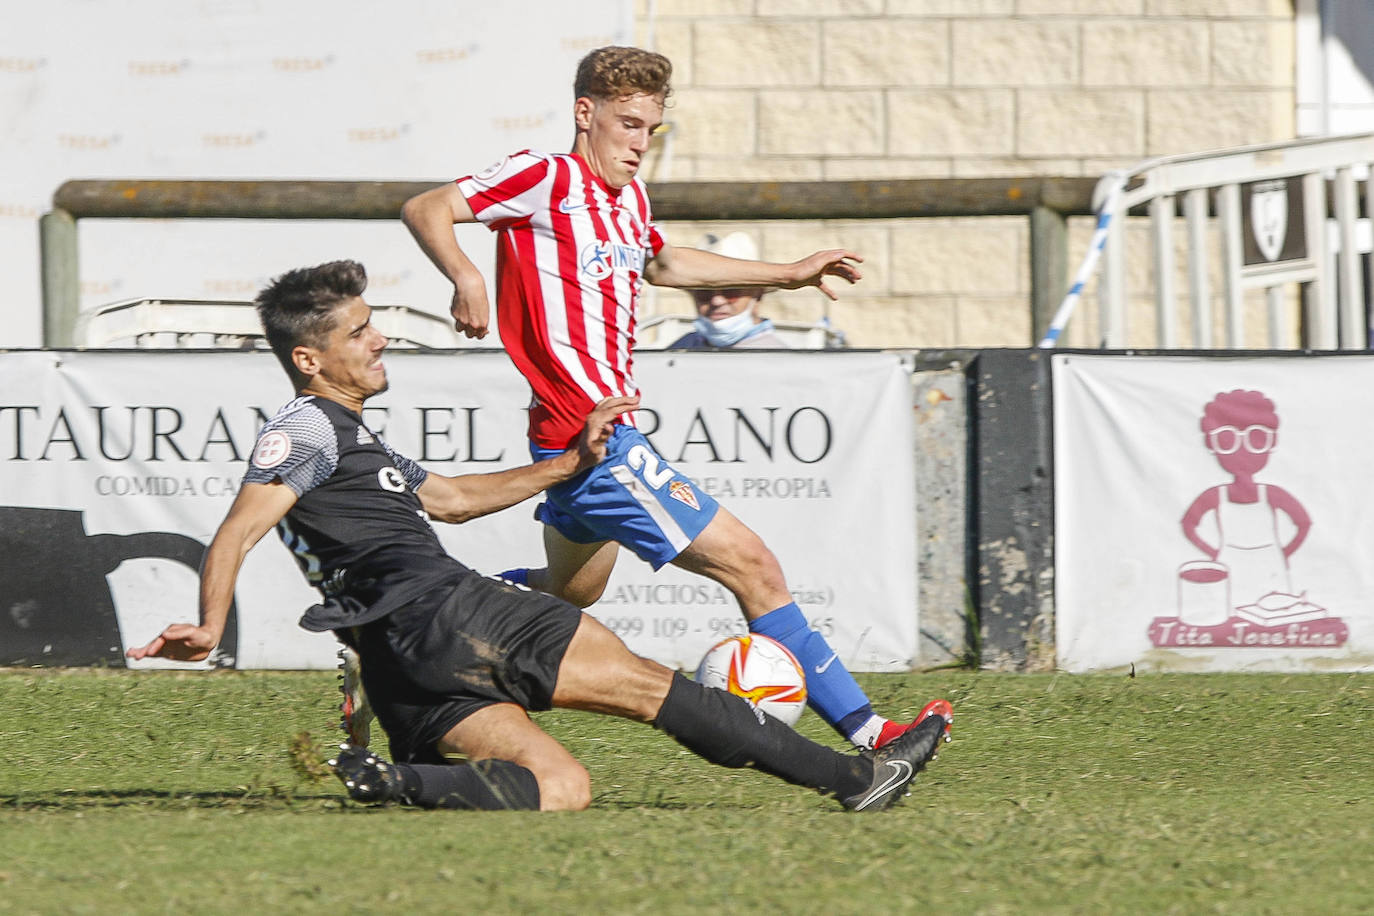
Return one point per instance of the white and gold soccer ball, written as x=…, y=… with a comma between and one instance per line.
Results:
x=761, y=670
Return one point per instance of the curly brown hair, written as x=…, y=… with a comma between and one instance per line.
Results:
x=615, y=72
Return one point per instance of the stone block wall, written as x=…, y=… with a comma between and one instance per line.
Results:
x=880, y=89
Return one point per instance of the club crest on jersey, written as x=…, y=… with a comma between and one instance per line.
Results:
x=272, y=449
x=682, y=492
x=598, y=259
x=595, y=259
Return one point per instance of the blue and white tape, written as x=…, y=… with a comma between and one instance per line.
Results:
x=1085, y=270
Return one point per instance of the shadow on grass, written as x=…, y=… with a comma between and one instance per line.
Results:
x=158, y=798
x=607, y=803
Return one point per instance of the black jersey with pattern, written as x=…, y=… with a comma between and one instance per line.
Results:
x=357, y=528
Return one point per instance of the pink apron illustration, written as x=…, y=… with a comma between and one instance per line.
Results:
x=1242, y=594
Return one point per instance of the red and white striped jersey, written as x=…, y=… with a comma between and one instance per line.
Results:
x=570, y=257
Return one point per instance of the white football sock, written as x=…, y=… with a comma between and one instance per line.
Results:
x=868, y=733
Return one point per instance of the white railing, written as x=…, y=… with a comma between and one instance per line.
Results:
x=173, y=323
x=1287, y=235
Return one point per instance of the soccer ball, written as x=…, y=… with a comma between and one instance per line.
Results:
x=759, y=669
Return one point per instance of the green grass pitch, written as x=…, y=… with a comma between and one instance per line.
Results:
x=175, y=792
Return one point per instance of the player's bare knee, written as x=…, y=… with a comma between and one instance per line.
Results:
x=583, y=596
x=565, y=788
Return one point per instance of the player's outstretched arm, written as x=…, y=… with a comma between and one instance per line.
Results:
x=813, y=270
x=692, y=268
x=469, y=496
x=430, y=216
x=256, y=509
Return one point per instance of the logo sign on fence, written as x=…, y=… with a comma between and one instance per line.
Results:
x=1272, y=216
x=1209, y=513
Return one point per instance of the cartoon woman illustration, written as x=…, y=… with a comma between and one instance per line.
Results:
x=1241, y=429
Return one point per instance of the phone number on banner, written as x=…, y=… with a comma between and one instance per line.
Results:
x=630, y=627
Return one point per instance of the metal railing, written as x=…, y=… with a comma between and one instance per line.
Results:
x=230, y=324
x=1046, y=202
x=1299, y=226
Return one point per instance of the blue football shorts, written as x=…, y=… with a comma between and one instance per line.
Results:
x=633, y=497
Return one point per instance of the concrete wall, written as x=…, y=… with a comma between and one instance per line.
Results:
x=872, y=89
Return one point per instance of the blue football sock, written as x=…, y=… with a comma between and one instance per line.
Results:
x=830, y=689
x=518, y=576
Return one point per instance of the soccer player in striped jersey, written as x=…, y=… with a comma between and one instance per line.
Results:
x=576, y=241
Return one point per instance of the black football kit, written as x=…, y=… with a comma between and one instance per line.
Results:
x=438, y=640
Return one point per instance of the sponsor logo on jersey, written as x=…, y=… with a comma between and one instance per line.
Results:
x=272, y=449
x=627, y=257
x=364, y=437
x=568, y=206
x=682, y=492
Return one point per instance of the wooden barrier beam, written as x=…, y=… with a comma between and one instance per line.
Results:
x=673, y=200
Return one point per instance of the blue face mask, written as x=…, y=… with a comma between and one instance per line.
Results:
x=728, y=331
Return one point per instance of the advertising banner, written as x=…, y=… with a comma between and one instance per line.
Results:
x=119, y=466
x=1210, y=514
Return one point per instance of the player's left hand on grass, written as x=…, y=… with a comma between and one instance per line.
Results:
x=596, y=432
x=835, y=262
x=181, y=642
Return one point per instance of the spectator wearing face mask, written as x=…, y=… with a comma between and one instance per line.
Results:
x=728, y=318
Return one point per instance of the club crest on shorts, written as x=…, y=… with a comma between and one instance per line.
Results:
x=682, y=492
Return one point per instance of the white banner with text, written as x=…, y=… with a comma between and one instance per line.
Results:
x=119, y=466
x=1212, y=514
x=415, y=90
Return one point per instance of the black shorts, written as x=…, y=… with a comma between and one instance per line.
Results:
x=467, y=645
